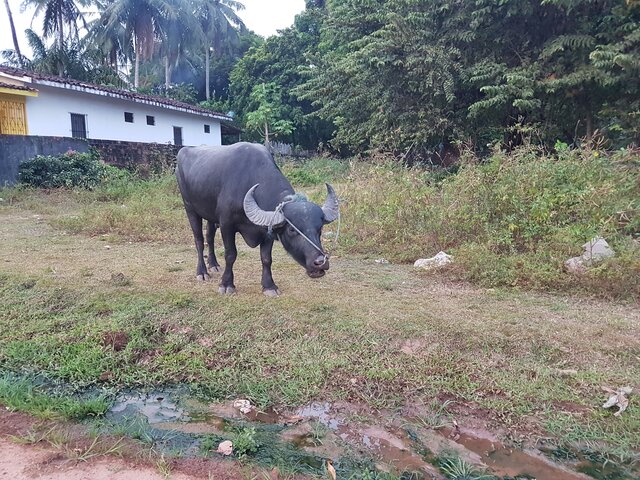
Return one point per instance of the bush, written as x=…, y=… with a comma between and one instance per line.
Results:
x=510, y=221
x=71, y=169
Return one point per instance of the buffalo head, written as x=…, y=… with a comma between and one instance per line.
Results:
x=295, y=219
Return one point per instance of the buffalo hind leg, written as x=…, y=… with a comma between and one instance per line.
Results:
x=269, y=287
x=211, y=233
x=230, y=255
x=196, y=225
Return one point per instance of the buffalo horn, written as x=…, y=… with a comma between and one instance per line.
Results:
x=330, y=207
x=256, y=214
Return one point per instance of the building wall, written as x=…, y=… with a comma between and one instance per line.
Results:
x=49, y=115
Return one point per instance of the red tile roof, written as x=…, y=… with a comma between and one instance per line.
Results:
x=17, y=87
x=73, y=84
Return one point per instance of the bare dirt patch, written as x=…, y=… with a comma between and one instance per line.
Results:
x=27, y=452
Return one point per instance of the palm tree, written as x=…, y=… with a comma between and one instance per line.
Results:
x=141, y=21
x=16, y=46
x=115, y=45
x=66, y=61
x=57, y=13
x=219, y=22
x=179, y=33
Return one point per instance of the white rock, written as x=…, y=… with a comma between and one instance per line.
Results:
x=439, y=260
x=595, y=250
x=575, y=265
x=243, y=405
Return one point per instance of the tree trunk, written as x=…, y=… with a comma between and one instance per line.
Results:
x=136, y=68
x=60, y=44
x=206, y=73
x=266, y=134
x=167, y=75
x=13, y=34
x=589, y=121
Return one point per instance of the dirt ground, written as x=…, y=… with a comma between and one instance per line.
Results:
x=22, y=462
x=27, y=455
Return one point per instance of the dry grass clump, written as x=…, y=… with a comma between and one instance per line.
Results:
x=511, y=220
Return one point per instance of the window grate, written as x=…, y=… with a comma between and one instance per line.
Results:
x=78, y=125
x=177, y=135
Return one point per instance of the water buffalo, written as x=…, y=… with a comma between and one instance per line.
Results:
x=239, y=188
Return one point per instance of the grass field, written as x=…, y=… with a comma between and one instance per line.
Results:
x=93, y=292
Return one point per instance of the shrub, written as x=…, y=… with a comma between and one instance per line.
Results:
x=510, y=221
x=71, y=169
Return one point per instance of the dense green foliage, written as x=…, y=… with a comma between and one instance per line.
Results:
x=410, y=76
x=414, y=78
x=281, y=60
x=71, y=169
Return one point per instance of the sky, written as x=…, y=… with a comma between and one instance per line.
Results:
x=262, y=16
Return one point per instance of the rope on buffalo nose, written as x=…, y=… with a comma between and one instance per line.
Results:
x=294, y=198
x=322, y=252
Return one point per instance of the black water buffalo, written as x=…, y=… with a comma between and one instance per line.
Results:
x=239, y=188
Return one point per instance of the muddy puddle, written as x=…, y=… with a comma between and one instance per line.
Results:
x=360, y=444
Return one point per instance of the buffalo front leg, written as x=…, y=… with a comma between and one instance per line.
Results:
x=230, y=255
x=196, y=225
x=269, y=287
x=212, y=260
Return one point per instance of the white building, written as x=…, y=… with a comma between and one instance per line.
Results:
x=45, y=105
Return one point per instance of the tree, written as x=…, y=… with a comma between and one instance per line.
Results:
x=179, y=32
x=112, y=46
x=267, y=118
x=219, y=22
x=16, y=46
x=282, y=59
x=57, y=14
x=142, y=21
x=409, y=76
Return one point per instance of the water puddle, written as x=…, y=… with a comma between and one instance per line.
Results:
x=509, y=462
x=157, y=407
x=355, y=439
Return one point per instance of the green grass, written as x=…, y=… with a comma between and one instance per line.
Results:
x=65, y=298
x=22, y=395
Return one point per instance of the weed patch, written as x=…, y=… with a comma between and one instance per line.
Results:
x=22, y=395
x=510, y=221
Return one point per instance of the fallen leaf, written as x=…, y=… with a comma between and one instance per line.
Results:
x=330, y=470
x=618, y=399
x=225, y=448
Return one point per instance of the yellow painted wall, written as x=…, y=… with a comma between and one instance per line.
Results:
x=13, y=115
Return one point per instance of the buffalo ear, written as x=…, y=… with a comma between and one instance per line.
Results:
x=330, y=207
x=256, y=214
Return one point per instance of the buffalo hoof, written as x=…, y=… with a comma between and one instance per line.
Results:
x=271, y=292
x=227, y=290
x=203, y=277
x=214, y=268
